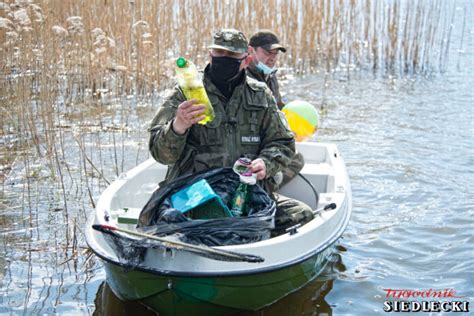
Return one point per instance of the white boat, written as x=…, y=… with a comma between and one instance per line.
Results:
x=178, y=282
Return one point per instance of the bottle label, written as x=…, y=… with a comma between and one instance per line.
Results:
x=241, y=167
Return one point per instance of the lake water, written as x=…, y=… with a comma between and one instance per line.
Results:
x=409, y=149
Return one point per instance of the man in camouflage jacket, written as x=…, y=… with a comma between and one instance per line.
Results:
x=247, y=123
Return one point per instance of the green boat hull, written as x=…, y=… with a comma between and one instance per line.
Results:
x=215, y=295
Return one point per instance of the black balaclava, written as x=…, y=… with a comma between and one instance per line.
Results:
x=225, y=74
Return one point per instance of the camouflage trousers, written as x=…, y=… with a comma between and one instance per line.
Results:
x=290, y=212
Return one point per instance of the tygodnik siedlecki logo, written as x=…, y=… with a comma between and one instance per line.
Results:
x=431, y=301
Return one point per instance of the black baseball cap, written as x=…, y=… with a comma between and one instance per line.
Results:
x=267, y=40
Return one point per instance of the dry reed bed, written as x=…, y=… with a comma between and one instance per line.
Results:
x=124, y=47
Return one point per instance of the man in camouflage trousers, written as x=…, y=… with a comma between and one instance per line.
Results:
x=247, y=123
x=264, y=47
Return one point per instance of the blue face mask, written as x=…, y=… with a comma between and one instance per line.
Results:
x=264, y=68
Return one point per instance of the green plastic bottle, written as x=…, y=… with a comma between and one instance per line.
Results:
x=190, y=81
x=239, y=200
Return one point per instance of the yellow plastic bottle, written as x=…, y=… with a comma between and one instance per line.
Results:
x=192, y=86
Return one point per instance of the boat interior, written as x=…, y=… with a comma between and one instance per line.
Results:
x=317, y=183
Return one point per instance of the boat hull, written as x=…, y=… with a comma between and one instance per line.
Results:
x=217, y=295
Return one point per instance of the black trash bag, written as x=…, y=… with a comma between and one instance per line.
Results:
x=159, y=218
x=130, y=252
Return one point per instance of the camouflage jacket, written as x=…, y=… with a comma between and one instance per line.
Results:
x=271, y=81
x=248, y=124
